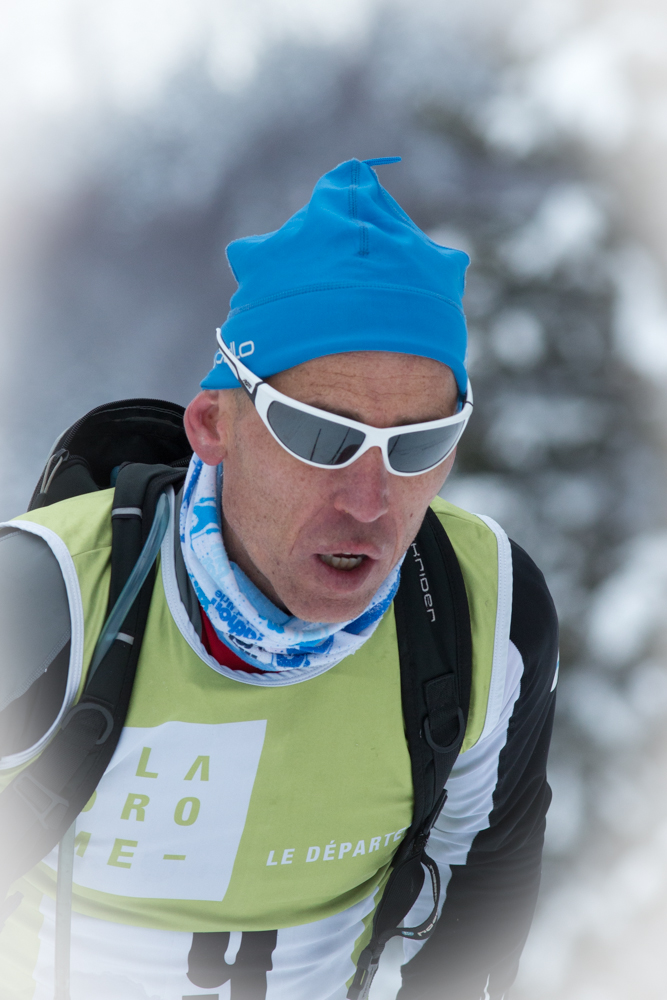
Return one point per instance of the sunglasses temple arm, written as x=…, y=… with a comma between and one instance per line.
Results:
x=248, y=380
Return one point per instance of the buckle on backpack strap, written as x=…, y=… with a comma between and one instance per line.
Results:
x=44, y=803
x=424, y=930
x=454, y=744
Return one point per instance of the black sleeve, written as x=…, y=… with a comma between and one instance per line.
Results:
x=474, y=951
x=34, y=637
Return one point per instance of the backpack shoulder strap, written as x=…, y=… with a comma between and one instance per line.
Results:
x=43, y=801
x=435, y=650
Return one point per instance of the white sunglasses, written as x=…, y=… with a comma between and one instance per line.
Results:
x=328, y=441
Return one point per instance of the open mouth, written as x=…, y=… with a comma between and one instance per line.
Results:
x=342, y=560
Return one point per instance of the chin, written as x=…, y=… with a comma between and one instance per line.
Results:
x=317, y=592
x=329, y=612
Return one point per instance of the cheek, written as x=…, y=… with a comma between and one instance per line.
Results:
x=436, y=478
x=416, y=493
x=265, y=491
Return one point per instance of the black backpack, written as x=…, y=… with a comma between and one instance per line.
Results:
x=139, y=447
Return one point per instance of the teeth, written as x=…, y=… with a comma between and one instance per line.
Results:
x=343, y=561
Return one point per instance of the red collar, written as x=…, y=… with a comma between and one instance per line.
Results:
x=217, y=649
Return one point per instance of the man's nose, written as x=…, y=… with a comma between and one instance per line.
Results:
x=363, y=492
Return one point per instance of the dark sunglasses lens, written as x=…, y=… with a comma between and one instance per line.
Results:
x=422, y=450
x=313, y=438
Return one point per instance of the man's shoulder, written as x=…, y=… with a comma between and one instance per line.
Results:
x=82, y=522
x=34, y=631
x=46, y=556
x=499, y=574
x=534, y=628
x=449, y=514
x=481, y=548
x=476, y=530
x=534, y=619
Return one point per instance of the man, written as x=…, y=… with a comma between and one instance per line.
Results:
x=240, y=841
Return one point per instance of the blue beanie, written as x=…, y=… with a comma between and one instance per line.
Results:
x=349, y=272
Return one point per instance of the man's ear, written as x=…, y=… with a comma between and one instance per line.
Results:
x=208, y=421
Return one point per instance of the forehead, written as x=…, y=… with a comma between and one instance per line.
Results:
x=370, y=365
x=411, y=386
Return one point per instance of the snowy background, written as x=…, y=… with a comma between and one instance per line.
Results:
x=140, y=137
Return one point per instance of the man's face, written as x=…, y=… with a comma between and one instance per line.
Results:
x=319, y=542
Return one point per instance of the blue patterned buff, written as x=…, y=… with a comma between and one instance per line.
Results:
x=244, y=619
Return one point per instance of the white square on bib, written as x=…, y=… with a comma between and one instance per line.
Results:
x=184, y=789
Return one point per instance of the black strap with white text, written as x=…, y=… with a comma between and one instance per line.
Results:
x=435, y=649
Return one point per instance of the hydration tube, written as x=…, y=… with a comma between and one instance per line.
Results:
x=133, y=585
x=63, y=930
